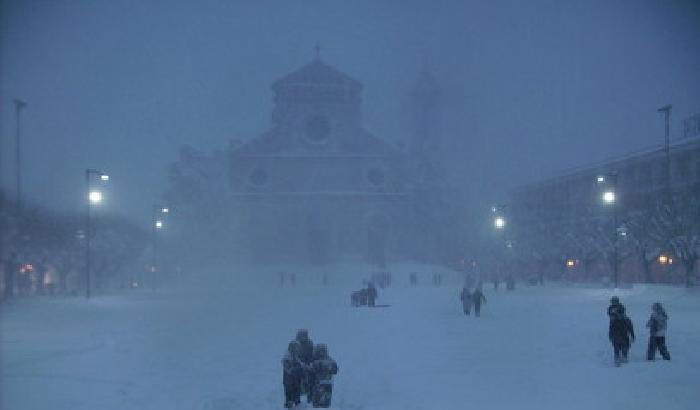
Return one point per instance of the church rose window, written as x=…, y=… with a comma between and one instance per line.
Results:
x=375, y=176
x=258, y=177
x=317, y=130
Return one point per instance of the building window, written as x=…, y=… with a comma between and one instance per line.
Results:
x=375, y=176
x=258, y=177
x=317, y=130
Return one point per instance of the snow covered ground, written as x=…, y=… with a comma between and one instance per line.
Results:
x=219, y=347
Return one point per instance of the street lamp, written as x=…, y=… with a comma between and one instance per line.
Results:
x=157, y=224
x=499, y=222
x=665, y=259
x=609, y=183
x=93, y=197
x=19, y=106
x=571, y=263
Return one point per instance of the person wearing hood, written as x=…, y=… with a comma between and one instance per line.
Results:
x=323, y=369
x=616, y=308
x=657, y=332
x=291, y=375
x=620, y=331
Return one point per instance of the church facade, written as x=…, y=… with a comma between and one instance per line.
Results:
x=317, y=186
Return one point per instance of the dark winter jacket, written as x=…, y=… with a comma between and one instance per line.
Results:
x=621, y=330
x=306, y=350
x=291, y=365
x=371, y=292
x=616, y=309
x=478, y=297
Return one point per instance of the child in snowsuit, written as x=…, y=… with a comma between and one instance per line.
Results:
x=291, y=375
x=466, y=298
x=323, y=369
x=478, y=297
x=657, y=332
x=620, y=331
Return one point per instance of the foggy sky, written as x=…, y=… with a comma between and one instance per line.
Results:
x=530, y=87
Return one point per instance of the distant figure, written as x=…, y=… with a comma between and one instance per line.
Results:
x=291, y=375
x=371, y=294
x=293, y=279
x=323, y=369
x=620, y=331
x=466, y=298
x=478, y=297
x=510, y=282
x=11, y=269
x=41, y=270
x=496, y=282
x=657, y=332
x=413, y=279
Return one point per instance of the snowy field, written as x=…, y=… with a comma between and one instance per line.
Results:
x=220, y=348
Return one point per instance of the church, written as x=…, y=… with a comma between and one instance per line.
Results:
x=317, y=186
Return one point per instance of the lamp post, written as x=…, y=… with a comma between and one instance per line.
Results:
x=93, y=197
x=609, y=197
x=499, y=223
x=157, y=224
x=19, y=106
x=666, y=110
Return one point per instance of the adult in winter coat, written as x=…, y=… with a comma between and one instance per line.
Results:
x=371, y=294
x=620, y=331
x=323, y=369
x=466, y=298
x=478, y=297
x=306, y=356
x=657, y=332
x=291, y=375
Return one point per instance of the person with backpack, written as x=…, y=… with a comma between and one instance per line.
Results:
x=306, y=356
x=620, y=330
x=657, y=332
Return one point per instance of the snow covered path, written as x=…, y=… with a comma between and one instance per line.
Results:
x=535, y=348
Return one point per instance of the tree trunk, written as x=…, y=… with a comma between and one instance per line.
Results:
x=647, y=270
x=689, y=265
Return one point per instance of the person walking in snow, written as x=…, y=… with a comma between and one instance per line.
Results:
x=616, y=308
x=620, y=330
x=323, y=369
x=478, y=297
x=466, y=298
x=657, y=332
x=291, y=375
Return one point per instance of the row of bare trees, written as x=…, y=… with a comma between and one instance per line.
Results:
x=663, y=226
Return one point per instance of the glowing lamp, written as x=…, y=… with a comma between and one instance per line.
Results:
x=95, y=197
